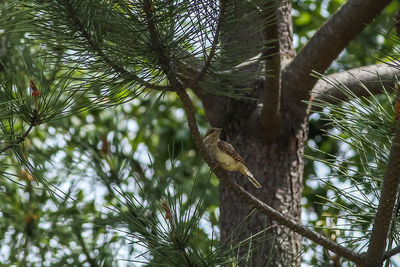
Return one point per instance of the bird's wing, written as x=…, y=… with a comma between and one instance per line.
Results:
x=228, y=149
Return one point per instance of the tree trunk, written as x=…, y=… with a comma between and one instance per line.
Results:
x=276, y=163
x=278, y=166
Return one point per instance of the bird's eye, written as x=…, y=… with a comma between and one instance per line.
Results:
x=210, y=131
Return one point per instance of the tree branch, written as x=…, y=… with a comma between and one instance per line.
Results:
x=89, y=259
x=165, y=61
x=253, y=201
x=385, y=211
x=391, y=253
x=374, y=77
x=326, y=44
x=269, y=116
x=213, y=49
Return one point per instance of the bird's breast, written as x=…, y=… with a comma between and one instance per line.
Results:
x=227, y=162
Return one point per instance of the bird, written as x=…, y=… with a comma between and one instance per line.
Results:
x=226, y=155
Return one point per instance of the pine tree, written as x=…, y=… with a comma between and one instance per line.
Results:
x=82, y=83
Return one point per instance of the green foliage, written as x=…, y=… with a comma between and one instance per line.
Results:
x=86, y=185
x=363, y=129
x=364, y=50
x=309, y=15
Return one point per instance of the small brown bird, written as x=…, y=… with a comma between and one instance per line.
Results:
x=226, y=155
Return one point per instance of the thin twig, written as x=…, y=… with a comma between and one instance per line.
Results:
x=182, y=248
x=34, y=121
x=213, y=49
x=163, y=56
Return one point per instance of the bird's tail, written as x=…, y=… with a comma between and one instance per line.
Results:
x=250, y=176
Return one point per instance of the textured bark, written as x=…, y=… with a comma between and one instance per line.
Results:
x=286, y=30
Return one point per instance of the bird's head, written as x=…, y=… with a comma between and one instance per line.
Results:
x=213, y=134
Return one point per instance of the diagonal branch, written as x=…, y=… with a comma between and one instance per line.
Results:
x=385, y=211
x=374, y=77
x=326, y=44
x=252, y=200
